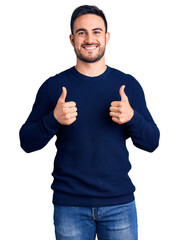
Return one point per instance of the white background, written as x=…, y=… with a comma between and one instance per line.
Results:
x=34, y=46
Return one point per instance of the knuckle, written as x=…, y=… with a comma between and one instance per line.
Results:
x=65, y=111
x=119, y=108
x=122, y=120
x=66, y=118
x=68, y=122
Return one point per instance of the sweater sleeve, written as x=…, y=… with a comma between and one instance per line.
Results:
x=41, y=124
x=142, y=128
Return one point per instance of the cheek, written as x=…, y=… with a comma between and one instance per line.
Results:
x=102, y=41
x=78, y=44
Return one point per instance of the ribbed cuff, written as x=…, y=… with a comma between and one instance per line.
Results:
x=135, y=121
x=50, y=123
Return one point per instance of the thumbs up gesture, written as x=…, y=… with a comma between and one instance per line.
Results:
x=65, y=112
x=121, y=111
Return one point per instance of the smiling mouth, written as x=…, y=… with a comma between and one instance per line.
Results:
x=90, y=47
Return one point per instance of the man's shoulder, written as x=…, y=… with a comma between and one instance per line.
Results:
x=61, y=74
x=56, y=79
x=122, y=74
x=117, y=71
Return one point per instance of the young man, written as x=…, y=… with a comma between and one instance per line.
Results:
x=92, y=109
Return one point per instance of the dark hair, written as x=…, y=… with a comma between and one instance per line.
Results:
x=86, y=9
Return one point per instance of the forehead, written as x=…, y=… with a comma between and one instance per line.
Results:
x=89, y=21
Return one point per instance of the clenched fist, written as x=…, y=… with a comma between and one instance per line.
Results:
x=65, y=112
x=121, y=111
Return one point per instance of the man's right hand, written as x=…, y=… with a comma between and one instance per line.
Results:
x=65, y=112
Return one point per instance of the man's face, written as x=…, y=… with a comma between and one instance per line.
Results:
x=89, y=38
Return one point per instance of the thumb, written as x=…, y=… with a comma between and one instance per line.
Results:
x=122, y=93
x=63, y=95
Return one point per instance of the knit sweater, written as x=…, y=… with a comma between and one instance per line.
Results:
x=91, y=165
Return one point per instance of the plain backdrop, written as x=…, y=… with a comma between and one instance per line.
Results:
x=34, y=46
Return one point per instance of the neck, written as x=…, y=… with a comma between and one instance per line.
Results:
x=91, y=69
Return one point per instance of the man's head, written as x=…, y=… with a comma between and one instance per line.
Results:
x=89, y=34
x=86, y=9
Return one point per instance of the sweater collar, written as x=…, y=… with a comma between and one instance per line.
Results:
x=84, y=77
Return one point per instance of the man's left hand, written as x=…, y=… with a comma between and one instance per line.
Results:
x=121, y=111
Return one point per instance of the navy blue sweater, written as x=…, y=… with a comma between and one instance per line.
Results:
x=92, y=162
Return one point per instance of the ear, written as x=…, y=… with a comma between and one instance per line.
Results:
x=72, y=39
x=107, y=37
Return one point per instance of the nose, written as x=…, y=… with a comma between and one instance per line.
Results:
x=89, y=38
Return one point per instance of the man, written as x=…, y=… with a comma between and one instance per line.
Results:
x=98, y=109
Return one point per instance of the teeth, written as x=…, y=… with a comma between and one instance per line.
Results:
x=90, y=47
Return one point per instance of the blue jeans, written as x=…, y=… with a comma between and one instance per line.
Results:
x=118, y=222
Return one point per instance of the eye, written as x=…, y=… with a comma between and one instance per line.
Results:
x=97, y=32
x=81, y=33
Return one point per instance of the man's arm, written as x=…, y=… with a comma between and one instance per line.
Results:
x=136, y=120
x=142, y=128
x=41, y=124
x=44, y=121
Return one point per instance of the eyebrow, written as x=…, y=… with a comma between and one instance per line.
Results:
x=83, y=29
